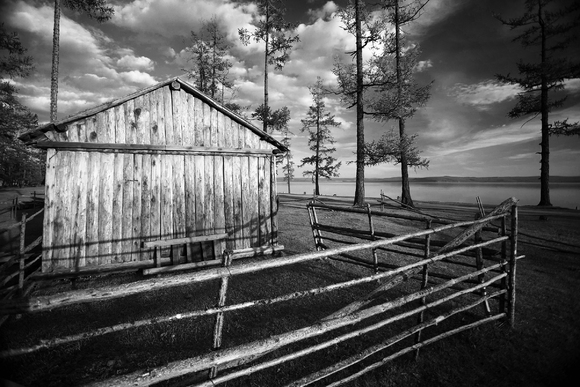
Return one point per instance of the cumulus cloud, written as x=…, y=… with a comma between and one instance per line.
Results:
x=93, y=67
x=135, y=62
x=324, y=13
x=160, y=17
x=483, y=94
x=138, y=78
x=424, y=65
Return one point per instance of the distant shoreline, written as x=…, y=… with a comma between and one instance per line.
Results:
x=452, y=179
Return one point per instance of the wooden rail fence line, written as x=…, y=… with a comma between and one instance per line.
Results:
x=503, y=281
x=25, y=261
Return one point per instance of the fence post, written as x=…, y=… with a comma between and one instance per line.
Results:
x=504, y=285
x=372, y=231
x=14, y=209
x=424, y=281
x=219, y=320
x=318, y=242
x=479, y=265
x=512, y=266
x=21, y=255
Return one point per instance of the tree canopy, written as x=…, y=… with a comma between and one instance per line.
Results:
x=318, y=122
x=275, y=32
x=19, y=164
x=550, y=29
x=210, y=67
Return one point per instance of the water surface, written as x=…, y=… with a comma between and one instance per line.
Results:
x=561, y=194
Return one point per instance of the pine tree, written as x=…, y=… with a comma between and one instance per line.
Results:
x=280, y=123
x=551, y=30
x=317, y=123
x=19, y=164
x=209, y=49
x=397, y=95
x=364, y=84
x=352, y=84
x=96, y=9
x=275, y=33
x=277, y=121
x=288, y=163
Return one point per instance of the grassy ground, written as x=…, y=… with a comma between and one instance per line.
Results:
x=543, y=349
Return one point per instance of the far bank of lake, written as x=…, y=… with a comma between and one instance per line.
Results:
x=562, y=194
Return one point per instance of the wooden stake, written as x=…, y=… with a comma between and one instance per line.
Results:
x=219, y=320
x=503, y=232
x=479, y=266
x=314, y=228
x=512, y=266
x=372, y=234
x=21, y=255
x=320, y=244
x=424, y=281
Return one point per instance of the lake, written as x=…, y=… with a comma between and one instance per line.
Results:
x=561, y=194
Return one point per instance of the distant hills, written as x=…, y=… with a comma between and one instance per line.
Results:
x=503, y=179
x=459, y=179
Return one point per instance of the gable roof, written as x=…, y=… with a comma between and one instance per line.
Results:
x=61, y=125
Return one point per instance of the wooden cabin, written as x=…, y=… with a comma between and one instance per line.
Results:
x=164, y=163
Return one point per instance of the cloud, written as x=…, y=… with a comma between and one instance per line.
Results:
x=435, y=12
x=93, y=68
x=423, y=65
x=136, y=63
x=520, y=156
x=572, y=85
x=508, y=134
x=165, y=18
x=324, y=13
x=138, y=78
x=483, y=94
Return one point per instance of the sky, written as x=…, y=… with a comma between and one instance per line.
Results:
x=463, y=130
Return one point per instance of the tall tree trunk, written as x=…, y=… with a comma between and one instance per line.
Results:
x=288, y=169
x=405, y=187
x=317, y=166
x=213, y=76
x=265, y=118
x=545, y=144
x=54, y=72
x=359, y=193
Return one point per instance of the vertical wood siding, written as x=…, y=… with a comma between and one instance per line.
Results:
x=101, y=207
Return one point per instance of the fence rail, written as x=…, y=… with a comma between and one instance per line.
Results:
x=497, y=277
x=14, y=204
x=25, y=260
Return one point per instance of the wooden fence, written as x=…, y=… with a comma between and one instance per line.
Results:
x=492, y=286
x=12, y=206
x=17, y=268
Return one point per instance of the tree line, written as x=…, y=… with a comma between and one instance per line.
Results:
x=381, y=88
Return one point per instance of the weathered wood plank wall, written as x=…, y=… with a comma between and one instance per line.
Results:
x=101, y=206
